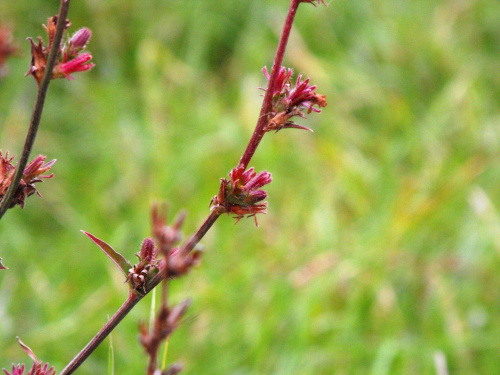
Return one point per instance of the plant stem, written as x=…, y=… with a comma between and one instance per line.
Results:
x=133, y=299
x=267, y=103
x=38, y=109
x=200, y=233
x=102, y=334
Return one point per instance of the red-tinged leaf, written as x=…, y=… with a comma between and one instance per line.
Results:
x=27, y=350
x=2, y=267
x=116, y=257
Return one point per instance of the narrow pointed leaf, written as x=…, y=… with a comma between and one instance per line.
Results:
x=27, y=349
x=116, y=257
x=2, y=267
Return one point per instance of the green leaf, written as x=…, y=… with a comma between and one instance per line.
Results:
x=116, y=257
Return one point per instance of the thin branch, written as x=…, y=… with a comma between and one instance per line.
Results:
x=200, y=233
x=134, y=298
x=38, y=109
x=131, y=301
x=266, y=104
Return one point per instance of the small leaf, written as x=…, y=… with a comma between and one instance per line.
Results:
x=2, y=267
x=27, y=349
x=116, y=257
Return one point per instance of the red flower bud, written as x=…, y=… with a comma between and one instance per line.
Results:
x=80, y=38
x=147, y=253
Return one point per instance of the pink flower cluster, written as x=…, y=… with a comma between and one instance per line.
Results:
x=31, y=175
x=290, y=100
x=70, y=58
x=241, y=194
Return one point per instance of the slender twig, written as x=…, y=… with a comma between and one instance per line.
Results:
x=266, y=104
x=200, y=233
x=38, y=109
x=131, y=301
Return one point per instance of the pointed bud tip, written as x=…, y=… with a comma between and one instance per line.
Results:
x=147, y=250
x=81, y=37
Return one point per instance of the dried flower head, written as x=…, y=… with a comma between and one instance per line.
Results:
x=7, y=48
x=241, y=194
x=290, y=100
x=32, y=174
x=70, y=58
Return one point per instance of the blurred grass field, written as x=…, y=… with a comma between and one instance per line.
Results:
x=381, y=250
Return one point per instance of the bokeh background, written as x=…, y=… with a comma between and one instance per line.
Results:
x=381, y=250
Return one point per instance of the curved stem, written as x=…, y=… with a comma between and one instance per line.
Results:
x=37, y=111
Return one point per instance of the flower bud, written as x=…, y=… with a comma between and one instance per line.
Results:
x=147, y=250
x=80, y=38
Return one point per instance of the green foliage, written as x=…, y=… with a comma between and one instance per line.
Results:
x=381, y=248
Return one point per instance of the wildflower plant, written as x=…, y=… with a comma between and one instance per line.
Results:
x=164, y=256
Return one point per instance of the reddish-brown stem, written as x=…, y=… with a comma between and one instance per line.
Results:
x=133, y=299
x=37, y=111
x=200, y=233
x=266, y=104
x=102, y=334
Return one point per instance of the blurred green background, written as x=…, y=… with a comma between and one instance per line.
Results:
x=381, y=250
